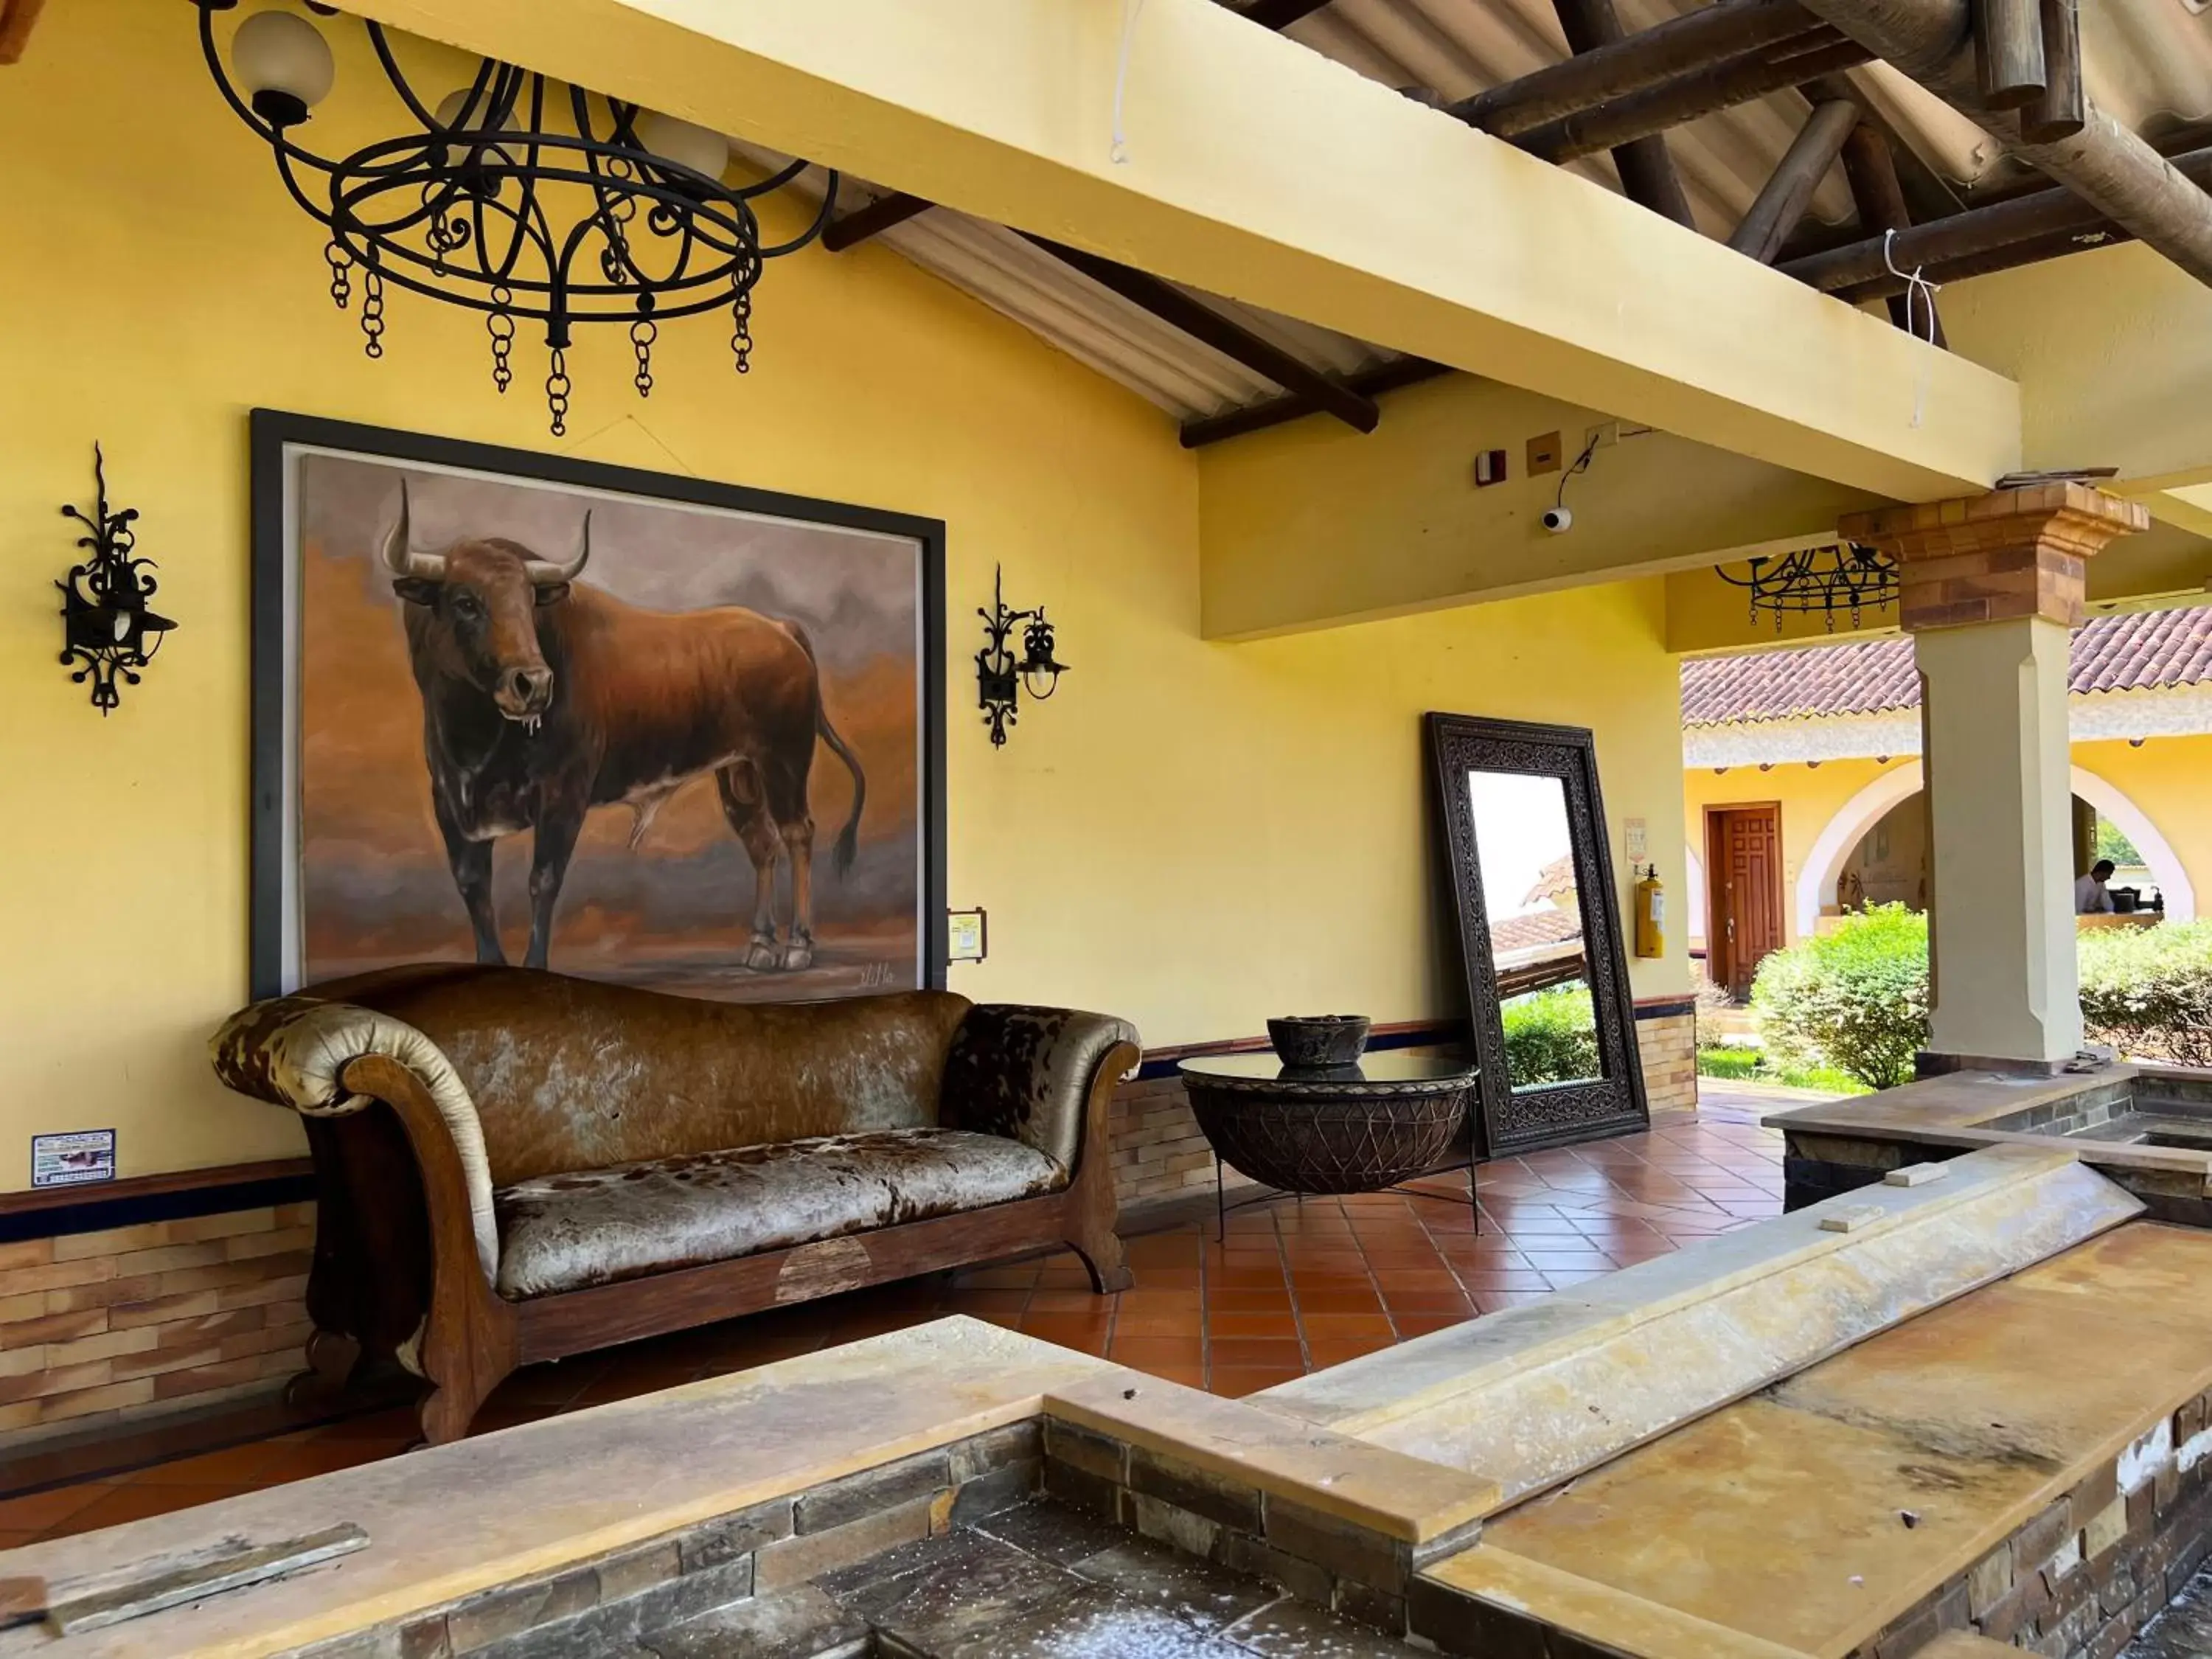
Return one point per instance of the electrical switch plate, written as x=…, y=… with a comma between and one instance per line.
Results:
x=1489, y=468
x=1544, y=455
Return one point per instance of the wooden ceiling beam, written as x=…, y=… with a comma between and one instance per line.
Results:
x=1871, y=166
x=2105, y=163
x=1179, y=309
x=852, y=229
x=2018, y=232
x=1688, y=97
x=1637, y=63
x=1788, y=192
x=1279, y=14
x=1280, y=412
x=1647, y=172
x=17, y=17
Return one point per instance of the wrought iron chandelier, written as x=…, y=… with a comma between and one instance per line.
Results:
x=512, y=196
x=1838, y=576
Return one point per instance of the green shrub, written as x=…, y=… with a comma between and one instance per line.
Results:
x=1854, y=1000
x=1736, y=1063
x=1551, y=1036
x=2148, y=991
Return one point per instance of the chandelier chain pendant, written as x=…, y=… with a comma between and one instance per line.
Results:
x=642, y=333
x=741, y=338
x=557, y=386
x=372, y=310
x=500, y=326
x=341, y=275
x=513, y=196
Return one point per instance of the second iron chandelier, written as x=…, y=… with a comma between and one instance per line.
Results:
x=514, y=196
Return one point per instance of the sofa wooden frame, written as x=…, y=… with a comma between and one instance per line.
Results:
x=397, y=1272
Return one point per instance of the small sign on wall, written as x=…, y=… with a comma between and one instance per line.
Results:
x=74, y=1158
x=1638, y=835
x=967, y=935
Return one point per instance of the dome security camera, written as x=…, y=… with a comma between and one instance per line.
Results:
x=1558, y=520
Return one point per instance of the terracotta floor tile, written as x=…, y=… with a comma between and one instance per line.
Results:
x=1235, y=1382
x=1157, y=1324
x=1251, y=1324
x=1235, y=1351
x=1043, y=1302
x=133, y=1502
x=1340, y=1301
x=1339, y=1326
x=226, y=1468
x=36, y=1512
x=1325, y=1354
x=1149, y=1352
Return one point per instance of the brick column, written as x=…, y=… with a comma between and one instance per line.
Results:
x=1992, y=587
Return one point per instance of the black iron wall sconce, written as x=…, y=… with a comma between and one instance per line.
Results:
x=105, y=618
x=1000, y=675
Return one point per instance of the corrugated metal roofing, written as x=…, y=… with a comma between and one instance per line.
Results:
x=2147, y=61
x=2140, y=651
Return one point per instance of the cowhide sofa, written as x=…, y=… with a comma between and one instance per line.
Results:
x=513, y=1166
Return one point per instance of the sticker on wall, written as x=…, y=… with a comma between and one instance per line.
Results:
x=1637, y=835
x=967, y=935
x=73, y=1158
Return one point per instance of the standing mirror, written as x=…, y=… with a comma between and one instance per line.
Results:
x=1532, y=885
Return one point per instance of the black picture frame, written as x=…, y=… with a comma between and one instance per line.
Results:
x=273, y=432
x=1551, y=1114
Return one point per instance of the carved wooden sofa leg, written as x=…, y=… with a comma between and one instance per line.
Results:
x=331, y=1357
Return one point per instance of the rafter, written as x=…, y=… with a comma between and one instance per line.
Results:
x=1201, y=322
x=17, y=17
x=2105, y=163
x=1647, y=172
x=1280, y=412
x=1782, y=201
x=2003, y=235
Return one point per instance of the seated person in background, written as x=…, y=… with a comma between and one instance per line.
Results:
x=2090, y=898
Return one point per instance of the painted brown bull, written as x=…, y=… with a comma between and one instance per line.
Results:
x=543, y=699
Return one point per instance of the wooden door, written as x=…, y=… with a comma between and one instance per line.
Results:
x=1743, y=862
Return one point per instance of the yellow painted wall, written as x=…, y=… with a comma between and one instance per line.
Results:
x=1810, y=796
x=1194, y=835
x=2170, y=779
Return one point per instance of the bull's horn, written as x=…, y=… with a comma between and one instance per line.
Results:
x=544, y=572
x=402, y=560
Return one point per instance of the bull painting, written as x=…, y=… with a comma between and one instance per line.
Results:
x=544, y=697
x=590, y=721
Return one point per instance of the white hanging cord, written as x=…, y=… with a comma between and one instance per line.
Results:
x=1131, y=10
x=1920, y=292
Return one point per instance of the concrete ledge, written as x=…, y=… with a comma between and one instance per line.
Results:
x=1536, y=1393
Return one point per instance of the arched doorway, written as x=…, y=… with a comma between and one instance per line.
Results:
x=1878, y=835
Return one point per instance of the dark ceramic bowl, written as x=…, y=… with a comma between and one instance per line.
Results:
x=1320, y=1039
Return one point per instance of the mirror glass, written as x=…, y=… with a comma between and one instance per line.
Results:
x=1526, y=856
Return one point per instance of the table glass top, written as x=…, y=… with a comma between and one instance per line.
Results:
x=1390, y=1066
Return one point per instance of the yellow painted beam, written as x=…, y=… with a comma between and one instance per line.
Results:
x=1260, y=170
x=1311, y=526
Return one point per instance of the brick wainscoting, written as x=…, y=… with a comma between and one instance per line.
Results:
x=1667, y=1040
x=134, y=1321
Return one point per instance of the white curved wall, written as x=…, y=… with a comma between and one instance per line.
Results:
x=1824, y=862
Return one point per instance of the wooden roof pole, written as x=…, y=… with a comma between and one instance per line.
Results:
x=1788, y=192
x=2104, y=163
x=2018, y=232
x=1647, y=172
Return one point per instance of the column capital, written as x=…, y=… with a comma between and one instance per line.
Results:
x=1984, y=558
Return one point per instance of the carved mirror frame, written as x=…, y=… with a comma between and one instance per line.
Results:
x=1554, y=1113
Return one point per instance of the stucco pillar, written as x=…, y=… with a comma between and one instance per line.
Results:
x=1990, y=588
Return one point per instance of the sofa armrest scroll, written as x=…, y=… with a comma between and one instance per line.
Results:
x=294, y=1052
x=1027, y=1074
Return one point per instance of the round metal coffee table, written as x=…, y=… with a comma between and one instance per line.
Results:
x=1361, y=1128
